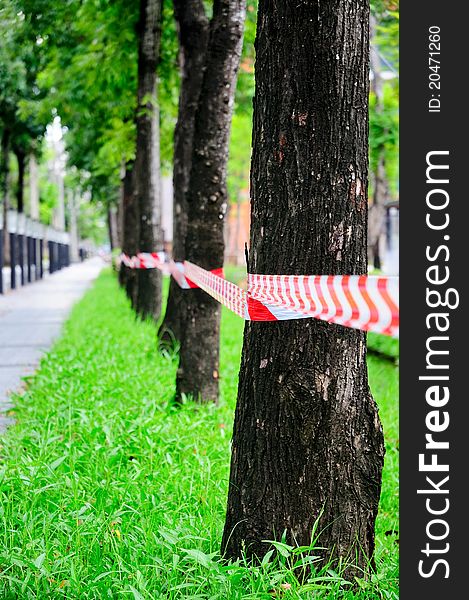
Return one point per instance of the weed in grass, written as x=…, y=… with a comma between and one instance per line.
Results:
x=109, y=491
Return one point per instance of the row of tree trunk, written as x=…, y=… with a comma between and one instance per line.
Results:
x=307, y=442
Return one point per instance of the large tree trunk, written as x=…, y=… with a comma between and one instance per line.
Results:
x=146, y=175
x=377, y=210
x=307, y=441
x=33, y=188
x=128, y=277
x=207, y=198
x=21, y=159
x=4, y=176
x=193, y=37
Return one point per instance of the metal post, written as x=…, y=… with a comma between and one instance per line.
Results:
x=41, y=258
x=50, y=246
x=20, y=239
x=29, y=256
x=34, y=248
x=13, y=260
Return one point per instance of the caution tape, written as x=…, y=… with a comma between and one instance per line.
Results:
x=369, y=303
x=144, y=260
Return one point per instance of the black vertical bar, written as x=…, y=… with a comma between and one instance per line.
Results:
x=50, y=246
x=41, y=258
x=434, y=528
x=20, y=239
x=29, y=256
x=34, y=248
x=13, y=260
x=1, y=261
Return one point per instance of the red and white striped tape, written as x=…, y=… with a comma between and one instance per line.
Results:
x=363, y=302
x=145, y=260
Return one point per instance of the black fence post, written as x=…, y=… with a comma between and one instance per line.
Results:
x=29, y=257
x=20, y=241
x=50, y=246
x=1, y=261
x=41, y=258
x=34, y=257
x=13, y=261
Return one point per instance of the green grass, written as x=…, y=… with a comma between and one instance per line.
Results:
x=108, y=491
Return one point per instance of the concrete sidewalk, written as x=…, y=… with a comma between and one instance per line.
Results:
x=31, y=318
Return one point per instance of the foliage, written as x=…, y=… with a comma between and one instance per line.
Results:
x=384, y=123
x=107, y=489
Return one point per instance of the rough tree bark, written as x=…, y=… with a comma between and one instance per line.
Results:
x=192, y=25
x=207, y=199
x=377, y=209
x=307, y=441
x=130, y=237
x=146, y=180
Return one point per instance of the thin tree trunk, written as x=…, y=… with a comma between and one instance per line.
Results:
x=73, y=228
x=21, y=159
x=112, y=227
x=192, y=24
x=207, y=198
x=120, y=210
x=60, y=209
x=307, y=441
x=4, y=177
x=33, y=188
x=146, y=176
x=377, y=210
x=128, y=277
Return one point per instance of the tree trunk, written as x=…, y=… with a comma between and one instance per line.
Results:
x=73, y=227
x=307, y=441
x=207, y=198
x=377, y=210
x=112, y=227
x=60, y=208
x=146, y=175
x=128, y=277
x=193, y=37
x=4, y=176
x=33, y=188
x=21, y=159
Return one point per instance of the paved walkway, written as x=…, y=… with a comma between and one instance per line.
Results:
x=31, y=318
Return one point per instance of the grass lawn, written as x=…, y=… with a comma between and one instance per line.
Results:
x=108, y=491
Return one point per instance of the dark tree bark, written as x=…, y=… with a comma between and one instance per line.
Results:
x=192, y=24
x=4, y=175
x=21, y=159
x=207, y=198
x=307, y=441
x=128, y=277
x=146, y=167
